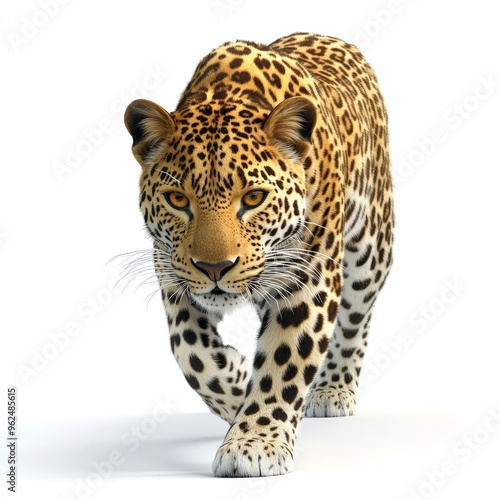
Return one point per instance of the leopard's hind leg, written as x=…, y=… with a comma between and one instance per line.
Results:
x=367, y=259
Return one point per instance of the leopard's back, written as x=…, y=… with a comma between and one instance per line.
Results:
x=350, y=91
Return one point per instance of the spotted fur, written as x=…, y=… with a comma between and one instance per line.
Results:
x=270, y=184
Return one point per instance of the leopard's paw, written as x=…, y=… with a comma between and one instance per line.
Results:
x=330, y=402
x=252, y=457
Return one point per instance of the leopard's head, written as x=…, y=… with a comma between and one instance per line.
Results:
x=222, y=193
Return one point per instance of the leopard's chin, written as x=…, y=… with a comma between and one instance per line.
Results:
x=218, y=301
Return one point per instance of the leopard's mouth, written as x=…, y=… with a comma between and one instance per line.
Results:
x=215, y=289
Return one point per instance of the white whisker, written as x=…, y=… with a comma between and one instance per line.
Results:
x=152, y=267
x=164, y=172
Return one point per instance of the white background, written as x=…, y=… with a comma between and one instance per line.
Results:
x=432, y=372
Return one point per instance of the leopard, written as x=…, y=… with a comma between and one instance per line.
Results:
x=269, y=185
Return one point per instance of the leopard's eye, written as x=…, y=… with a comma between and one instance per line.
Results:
x=253, y=199
x=177, y=200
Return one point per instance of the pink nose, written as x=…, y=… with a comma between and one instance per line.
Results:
x=215, y=270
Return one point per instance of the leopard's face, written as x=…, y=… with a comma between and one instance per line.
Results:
x=222, y=199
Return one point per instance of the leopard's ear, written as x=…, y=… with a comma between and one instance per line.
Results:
x=150, y=126
x=290, y=125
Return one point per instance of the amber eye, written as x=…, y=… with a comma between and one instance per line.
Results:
x=253, y=198
x=177, y=200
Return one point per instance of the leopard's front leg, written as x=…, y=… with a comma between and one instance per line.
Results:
x=217, y=372
x=295, y=336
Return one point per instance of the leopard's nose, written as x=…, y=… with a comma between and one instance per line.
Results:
x=215, y=270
